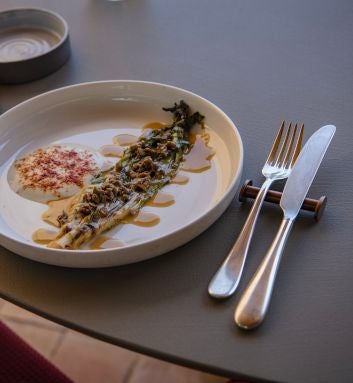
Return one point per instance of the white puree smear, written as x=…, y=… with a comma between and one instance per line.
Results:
x=55, y=172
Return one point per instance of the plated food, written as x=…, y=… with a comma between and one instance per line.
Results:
x=145, y=167
x=174, y=195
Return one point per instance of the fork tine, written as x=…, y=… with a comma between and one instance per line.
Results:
x=275, y=145
x=298, y=146
x=279, y=161
x=290, y=147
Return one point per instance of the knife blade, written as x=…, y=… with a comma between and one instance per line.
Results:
x=304, y=170
x=253, y=305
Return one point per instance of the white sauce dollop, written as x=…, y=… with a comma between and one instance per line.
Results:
x=56, y=171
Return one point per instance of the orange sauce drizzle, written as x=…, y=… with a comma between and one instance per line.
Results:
x=180, y=179
x=154, y=125
x=161, y=199
x=124, y=139
x=105, y=242
x=143, y=218
x=44, y=236
x=198, y=159
x=111, y=150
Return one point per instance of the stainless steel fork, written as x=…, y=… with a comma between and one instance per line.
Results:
x=277, y=166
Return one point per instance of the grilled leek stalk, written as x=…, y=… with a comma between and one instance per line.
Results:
x=144, y=168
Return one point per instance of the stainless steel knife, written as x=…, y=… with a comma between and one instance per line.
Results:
x=254, y=302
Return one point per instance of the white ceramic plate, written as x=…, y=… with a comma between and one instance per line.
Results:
x=91, y=114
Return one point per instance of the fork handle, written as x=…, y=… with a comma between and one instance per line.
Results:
x=227, y=278
x=253, y=304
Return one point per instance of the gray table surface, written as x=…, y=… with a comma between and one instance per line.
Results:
x=260, y=61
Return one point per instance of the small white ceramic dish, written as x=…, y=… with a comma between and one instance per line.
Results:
x=91, y=114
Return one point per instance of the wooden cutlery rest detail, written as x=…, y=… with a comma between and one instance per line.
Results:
x=316, y=206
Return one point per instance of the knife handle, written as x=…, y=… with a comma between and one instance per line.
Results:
x=253, y=305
